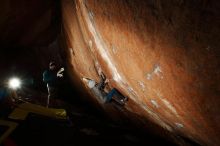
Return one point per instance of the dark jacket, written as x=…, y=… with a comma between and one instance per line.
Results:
x=50, y=77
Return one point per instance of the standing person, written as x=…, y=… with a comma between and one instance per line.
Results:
x=51, y=77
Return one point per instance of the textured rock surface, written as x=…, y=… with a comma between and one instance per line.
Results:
x=163, y=55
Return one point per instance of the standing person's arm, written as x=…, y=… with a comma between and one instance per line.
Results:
x=60, y=72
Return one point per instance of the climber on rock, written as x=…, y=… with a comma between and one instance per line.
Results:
x=98, y=89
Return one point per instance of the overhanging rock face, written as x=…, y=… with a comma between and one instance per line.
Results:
x=163, y=55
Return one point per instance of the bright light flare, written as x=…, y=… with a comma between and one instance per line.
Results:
x=14, y=83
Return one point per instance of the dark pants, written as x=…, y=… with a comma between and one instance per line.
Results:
x=114, y=92
x=52, y=93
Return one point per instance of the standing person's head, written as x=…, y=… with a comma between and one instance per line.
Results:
x=52, y=65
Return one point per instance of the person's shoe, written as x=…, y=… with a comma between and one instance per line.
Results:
x=125, y=99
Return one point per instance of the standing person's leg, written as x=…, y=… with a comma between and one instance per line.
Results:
x=52, y=97
x=49, y=95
